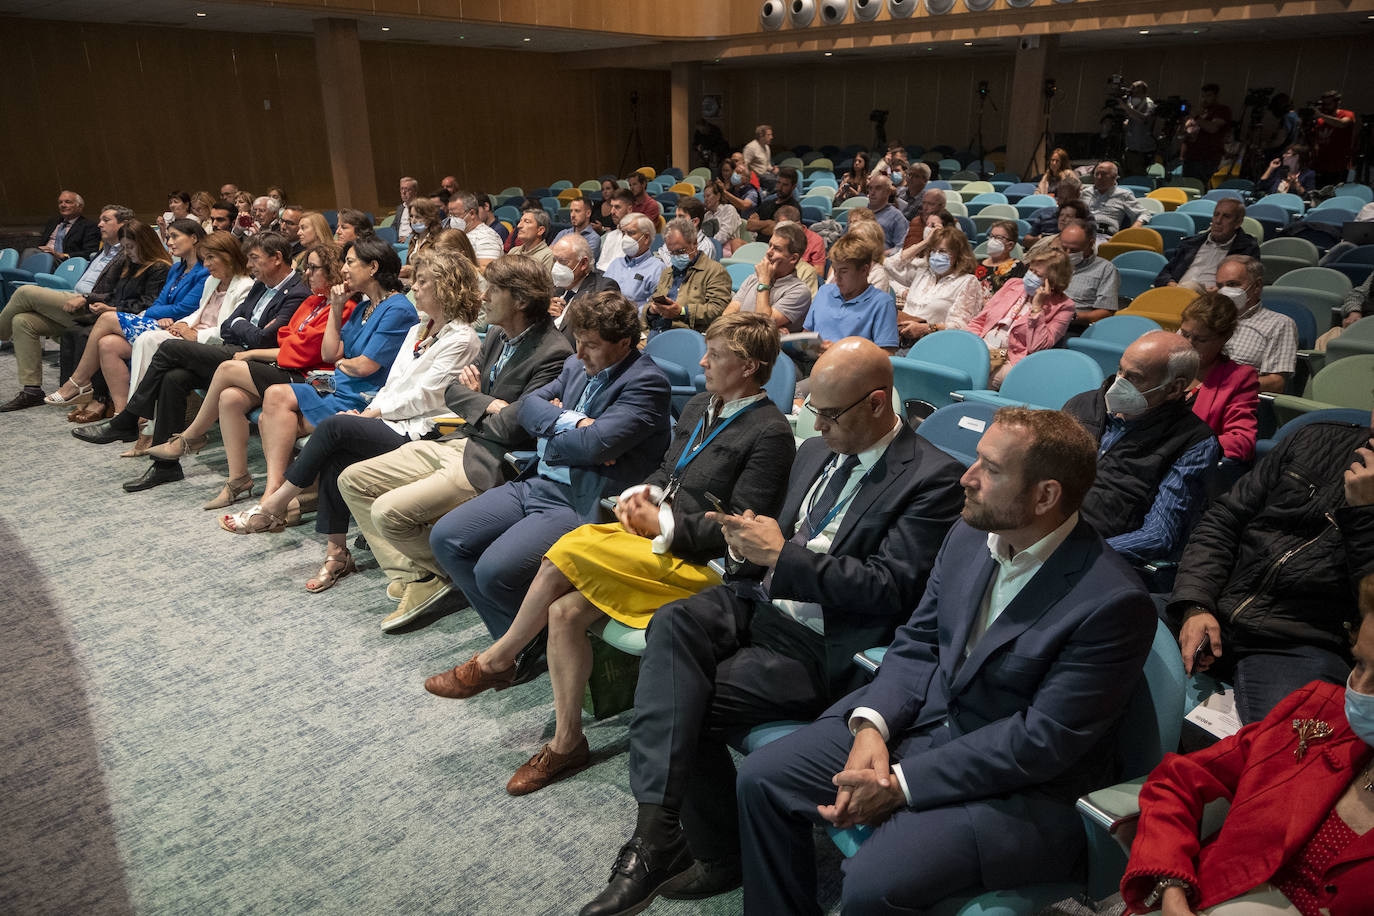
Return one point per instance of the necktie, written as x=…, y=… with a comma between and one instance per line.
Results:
x=816, y=514
x=61, y=235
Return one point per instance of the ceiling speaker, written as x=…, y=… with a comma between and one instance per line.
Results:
x=770, y=15
x=901, y=9
x=867, y=10
x=833, y=12
x=1019, y=3
x=978, y=6
x=801, y=12
x=939, y=6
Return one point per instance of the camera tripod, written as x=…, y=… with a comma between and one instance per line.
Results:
x=633, y=141
x=1046, y=139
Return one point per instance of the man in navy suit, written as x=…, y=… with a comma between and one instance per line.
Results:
x=602, y=425
x=994, y=709
x=868, y=504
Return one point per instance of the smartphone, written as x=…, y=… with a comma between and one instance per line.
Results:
x=662, y=300
x=714, y=500
x=1203, y=650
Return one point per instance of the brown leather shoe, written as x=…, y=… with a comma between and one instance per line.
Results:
x=547, y=767
x=468, y=680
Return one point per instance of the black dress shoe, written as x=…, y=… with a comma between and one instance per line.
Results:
x=157, y=474
x=640, y=872
x=24, y=399
x=532, y=661
x=706, y=878
x=107, y=431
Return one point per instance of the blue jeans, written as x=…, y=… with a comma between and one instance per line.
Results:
x=1262, y=679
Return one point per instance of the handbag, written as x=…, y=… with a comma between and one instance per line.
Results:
x=996, y=360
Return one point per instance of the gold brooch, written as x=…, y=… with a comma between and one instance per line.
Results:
x=1309, y=730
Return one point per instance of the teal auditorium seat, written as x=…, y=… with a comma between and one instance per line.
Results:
x=1044, y=380
x=938, y=364
x=1107, y=339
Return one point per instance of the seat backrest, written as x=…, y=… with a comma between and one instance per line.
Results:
x=1000, y=211
x=1345, y=383
x=1153, y=721
x=1360, y=330
x=850, y=203
x=956, y=349
x=1271, y=212
x=1050, y=377
x=1022, y=189
x=1340, y=202
x=1362, y=192
x=738, y=274
x=752, y=252
x=1322, y=278
x=1291, y=248
x=1302, y=317
x=1198, y=206
x=1179, y=181
x=1037, y=200
x=1290, y=202
x=512, y=191
x=782, y=383
x=1364, y=254
x=1253, y=228
x=1170, y=197
x=71, y=269
x=1330, y=415
x=1164, y=299
x=1150, y=204
x=956, y=429
x=677, y=352
x=1224, y=194
x=1122, y=329
x=980, y=198
x=1173, y=220
x=969, y=226
x=976, y=187
x=1139, y=260
x=1140, y=236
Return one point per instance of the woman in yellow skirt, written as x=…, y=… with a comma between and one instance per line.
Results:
x=731, y=444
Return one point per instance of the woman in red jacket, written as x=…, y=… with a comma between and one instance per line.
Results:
x=1226, y=393
x=1299, y=836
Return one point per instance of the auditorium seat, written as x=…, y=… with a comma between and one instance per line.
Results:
x=1163, y=305
x=1044, y=380
x=938, y=364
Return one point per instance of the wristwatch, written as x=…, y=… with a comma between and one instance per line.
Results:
x=764, y=287
x=1156, y=896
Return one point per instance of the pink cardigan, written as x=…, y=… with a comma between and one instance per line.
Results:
x=1028, y=335
x=1227, y=400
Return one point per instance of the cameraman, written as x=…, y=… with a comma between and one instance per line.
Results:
x=1205, y=137
x=1140, y=129
x=1333, y=138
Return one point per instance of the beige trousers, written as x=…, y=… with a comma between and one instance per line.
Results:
x=396, y=498
x=34, y=312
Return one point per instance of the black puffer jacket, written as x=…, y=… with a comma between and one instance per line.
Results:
x=1276, y=558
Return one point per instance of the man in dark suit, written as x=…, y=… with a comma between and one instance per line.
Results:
x=1197, y=258
x=180, y=366
x=69, y=234
x=396, y=498
x=868, y=503
x=602, y=425
x=575, y=278
x=995, y=707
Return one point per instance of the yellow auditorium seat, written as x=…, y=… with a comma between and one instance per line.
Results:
x=1163, y=305
x=1171, y=198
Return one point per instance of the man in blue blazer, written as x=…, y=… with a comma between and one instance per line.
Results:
x=994, y=709
x=868, y=503
x=601, y=425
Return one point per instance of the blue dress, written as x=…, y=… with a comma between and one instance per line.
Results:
x=379, y=338
x=179, y=297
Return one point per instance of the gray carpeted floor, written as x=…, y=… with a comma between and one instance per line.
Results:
x=186, y=729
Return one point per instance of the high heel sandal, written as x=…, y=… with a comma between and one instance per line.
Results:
x=178, y=447
x=243, y=522
x=57, y=400
x=232, y=491
x=293, y=513
x=91, y=412
x=326, y=576
x=140, y=447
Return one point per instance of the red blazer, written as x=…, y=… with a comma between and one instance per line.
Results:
x=301, y=338
x=1227, y=400
x=1277, y=804
x=1028, y=335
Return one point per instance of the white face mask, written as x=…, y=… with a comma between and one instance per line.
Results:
x=1076, y=258
x=1237, y=295
x=630, y=246
x=562, y=275
x=417, y=226
x=927, y=231
x=996, y=247
x=1125, y=399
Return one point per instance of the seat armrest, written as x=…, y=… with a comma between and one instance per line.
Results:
x=1114, y=809
x=718, y=566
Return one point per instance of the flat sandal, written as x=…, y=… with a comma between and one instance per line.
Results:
x=325, y=577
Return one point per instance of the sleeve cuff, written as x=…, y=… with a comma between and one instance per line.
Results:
x=901, y=781
x=867, y=714
x=567, y=420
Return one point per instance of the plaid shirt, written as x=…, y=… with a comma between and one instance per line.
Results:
x=1266, y=340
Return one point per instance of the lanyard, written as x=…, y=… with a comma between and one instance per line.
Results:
x=312, y=316
x=839, y=504
x=689, y=453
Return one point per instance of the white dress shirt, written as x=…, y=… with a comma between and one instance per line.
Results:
x=414, y=391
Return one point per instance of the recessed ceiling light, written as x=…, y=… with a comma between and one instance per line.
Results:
x=386, y=28
x=828, y=54
x=203, y=15
x=1144, y=31
x=529, y=39
x=968, y=44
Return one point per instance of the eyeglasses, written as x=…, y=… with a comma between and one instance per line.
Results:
x=310, y=267
x=833, y=414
